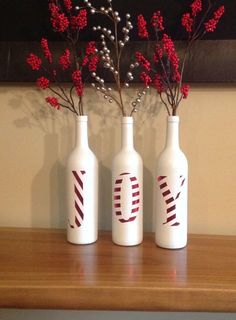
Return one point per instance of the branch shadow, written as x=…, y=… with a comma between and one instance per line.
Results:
x=145, y=138
x=48, y=184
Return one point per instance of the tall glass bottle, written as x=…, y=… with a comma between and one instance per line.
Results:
x=82, y=189
x=127, y=195
x=171, y=191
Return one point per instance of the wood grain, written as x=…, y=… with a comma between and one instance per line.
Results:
x=39, y=269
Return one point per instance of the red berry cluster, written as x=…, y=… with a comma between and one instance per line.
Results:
x=34, y=61
x=85, y=61
x=91, y=59
x=59, y=20
x=210, y=25
x=185, y=90
x=164, y=48
x=90, y=48
x=145, y=78
x=63, y=21
x=187, y=22
x=219, y=13
x=158, y=83
x=143, y=61
x=68, y=21
x=77, y=80
x=158, y=54
x=93, y=63
x=53, y=102
x=188, y=19
x=64, y=60
x=142, y=29
x=53, y=8
x=43, y=83
x=157, y=21
x=79, y=21
x=169, y=49
x=165, y=75
x=46, y=51
x=196, y=7
x=68, y=4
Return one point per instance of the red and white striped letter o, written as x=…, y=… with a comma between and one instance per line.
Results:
x=126, y=197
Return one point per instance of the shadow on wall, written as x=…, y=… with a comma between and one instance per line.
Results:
x=147, y=135
x=104, y=138
x=55, y=133
x=48, y=187
x=105, y=186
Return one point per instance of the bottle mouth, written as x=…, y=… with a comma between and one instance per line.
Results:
x=127, y=120
x=173, y=119
x=82, y=118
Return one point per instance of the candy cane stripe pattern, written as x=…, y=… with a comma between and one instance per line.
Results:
x=125, y=178
x=170, y=200
x=79, y=200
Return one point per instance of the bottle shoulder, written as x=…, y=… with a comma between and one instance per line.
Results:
x=127, y=152
x=173, y=157
x=82, y=155
x=129, y=155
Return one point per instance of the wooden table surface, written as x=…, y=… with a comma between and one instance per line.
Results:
x=39, y=269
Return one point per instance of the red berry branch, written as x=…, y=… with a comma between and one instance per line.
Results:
x=115, y=38
x=165, y=71
x=68, y=21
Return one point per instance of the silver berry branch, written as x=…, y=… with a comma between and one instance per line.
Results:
x=114, y=66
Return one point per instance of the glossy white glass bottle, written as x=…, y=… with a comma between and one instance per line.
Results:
x=127, y=193
x=82, y=189
x=171, y=191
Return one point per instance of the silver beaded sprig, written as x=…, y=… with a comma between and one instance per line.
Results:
x=107, y=11
x=129, y=75
x=102, y=88
x=104, y=53
x=137, y=101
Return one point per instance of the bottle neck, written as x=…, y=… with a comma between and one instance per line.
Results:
x=172, y=132
x=81, y=134
x=127, y=133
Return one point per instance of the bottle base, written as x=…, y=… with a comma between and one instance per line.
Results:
x=122, y=244
x=171, y=247
x=81, y=242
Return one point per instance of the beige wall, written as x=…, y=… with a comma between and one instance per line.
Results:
x=35, y=142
